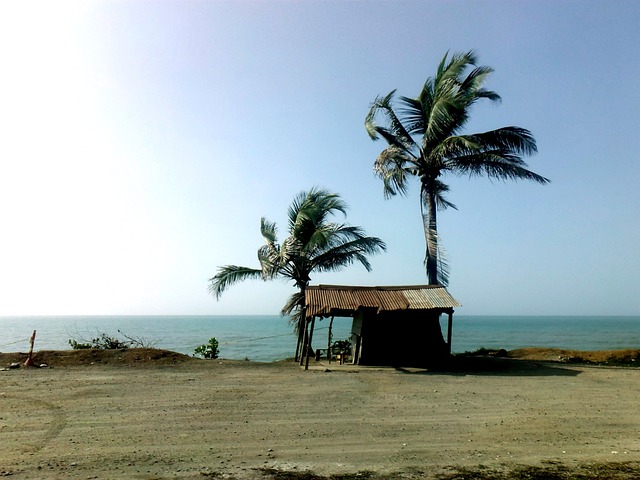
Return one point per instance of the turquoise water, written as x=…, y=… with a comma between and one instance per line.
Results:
x=269, y=337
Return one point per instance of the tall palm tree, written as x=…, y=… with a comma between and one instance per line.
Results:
x=424, y=140
x=314, y=244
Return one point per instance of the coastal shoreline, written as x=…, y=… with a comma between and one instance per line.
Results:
x=174, y=416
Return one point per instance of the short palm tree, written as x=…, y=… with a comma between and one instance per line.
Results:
x=314, y=244
x=424, y=140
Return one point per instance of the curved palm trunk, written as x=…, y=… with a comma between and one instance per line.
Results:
x=300, y=340
x=429, y=223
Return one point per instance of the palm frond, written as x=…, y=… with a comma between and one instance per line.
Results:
x=472, y=85
x=446, y=117
x=295, y=301
x=348, y=253
x=453, y=94
x=404, y=144
x=413, y=115
x=269, y=231
x=343, y=235
x=294, y=309
x=444, y=268
x=369, y=121
x=270, y=254
x=454, y=146
x=391, y=166
x=488, y=94
x=498, y=165
x=497, y=154
x=452, y=69
x=312, y=208
x=270, y=263
x=436, y=251
x=426, y=97
x=514, y=139
x=229, y=275
x=396, y=132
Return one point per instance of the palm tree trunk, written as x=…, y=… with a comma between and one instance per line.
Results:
x=430, y=225
x=299, y=342
x=305, y=341
x=301, y=325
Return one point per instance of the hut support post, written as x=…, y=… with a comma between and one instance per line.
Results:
x=329, y=340
x=308, y=346
x=449, y=329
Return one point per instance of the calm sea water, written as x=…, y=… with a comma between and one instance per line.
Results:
x=269, y=338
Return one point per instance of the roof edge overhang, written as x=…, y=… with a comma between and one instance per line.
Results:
x=346, y=300
x=376, y=287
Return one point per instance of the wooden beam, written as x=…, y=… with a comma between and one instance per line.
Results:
x=329, y=340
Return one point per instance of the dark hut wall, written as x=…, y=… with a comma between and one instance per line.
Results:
x=405, y=337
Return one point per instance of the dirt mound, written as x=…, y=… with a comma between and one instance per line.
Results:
x=126, y=357
x=628, y=357
x=152, y=356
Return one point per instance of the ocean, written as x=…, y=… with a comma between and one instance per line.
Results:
x=267, y=338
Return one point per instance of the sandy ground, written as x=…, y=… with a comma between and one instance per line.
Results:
x=216, y=418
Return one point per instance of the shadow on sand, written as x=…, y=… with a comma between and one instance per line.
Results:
x=470, y=365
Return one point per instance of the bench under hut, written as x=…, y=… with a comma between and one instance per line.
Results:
x=393, y=325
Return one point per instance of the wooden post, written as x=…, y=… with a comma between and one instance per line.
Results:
x=308, y=347
x=329, y=340
x=449, y=329
x=358, y=354
x=29, y=361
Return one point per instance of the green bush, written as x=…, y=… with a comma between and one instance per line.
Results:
x=103, y=342
x=210, y=350
x=75, y=345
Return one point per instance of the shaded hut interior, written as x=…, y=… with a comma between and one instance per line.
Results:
x=392, y=325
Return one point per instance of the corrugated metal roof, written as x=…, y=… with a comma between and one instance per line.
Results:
x=325, y=300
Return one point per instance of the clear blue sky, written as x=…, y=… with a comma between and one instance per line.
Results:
x=141, y=142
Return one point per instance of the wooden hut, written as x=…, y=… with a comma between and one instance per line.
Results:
x=391, y=325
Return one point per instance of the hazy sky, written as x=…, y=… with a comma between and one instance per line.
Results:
x=141, y=142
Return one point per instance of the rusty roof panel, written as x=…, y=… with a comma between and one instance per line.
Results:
x=430, y=298
x=324, y=300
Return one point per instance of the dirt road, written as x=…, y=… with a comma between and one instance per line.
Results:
x=212, y=418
